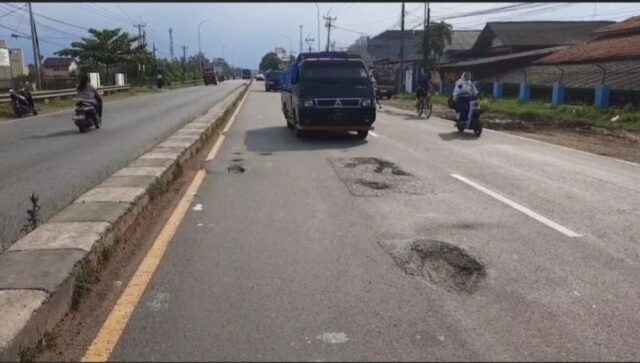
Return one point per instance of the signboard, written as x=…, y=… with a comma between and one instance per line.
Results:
x=4, y=57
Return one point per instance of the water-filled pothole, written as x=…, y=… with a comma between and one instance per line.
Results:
x=443, y=264
x=235, y=169
x=373, y=184
x=266, y=154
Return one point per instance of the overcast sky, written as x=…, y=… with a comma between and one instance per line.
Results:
x=249, y=30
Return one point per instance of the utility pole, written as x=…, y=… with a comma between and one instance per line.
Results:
x=318, y=9
x=300, y=39
x=155, y=62
x=184, y=61
x=329, y=25
x=309, y=43
x=171, y=44
x=426, y=51
x=140, y=36
x=402, y=50
x=36, y=49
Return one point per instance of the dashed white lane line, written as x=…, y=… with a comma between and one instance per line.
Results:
x=518, y=207
x=374, y=134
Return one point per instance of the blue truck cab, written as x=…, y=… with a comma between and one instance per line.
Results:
x=328, y=91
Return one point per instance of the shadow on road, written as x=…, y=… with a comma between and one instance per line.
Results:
x=54, y=134
x=280, y=138
x=455, y=135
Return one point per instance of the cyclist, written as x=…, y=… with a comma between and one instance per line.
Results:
x=424, y=88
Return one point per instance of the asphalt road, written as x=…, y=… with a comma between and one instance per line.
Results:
x=304, y=256
x=47, y=155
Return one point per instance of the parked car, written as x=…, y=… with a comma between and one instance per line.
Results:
x=272, y=80
x=329, y=91
x=259, y=77
x=385, y=82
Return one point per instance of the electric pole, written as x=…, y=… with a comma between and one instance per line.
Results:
x=329, y=25
x=426, y=38
x=184, y=61
x=309, y=43
x=171, y=44
x=36, y=49
x=300, y=39
x=140, y=37
x=402, y=50
x=155, y=62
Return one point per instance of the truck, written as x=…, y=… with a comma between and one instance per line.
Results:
x=385, y=82
x=246, y=74
x=219, y=71
x=209, y=76
x=328, y=91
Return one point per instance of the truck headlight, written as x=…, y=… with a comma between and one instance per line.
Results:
x=366, y=103
x=308, y=103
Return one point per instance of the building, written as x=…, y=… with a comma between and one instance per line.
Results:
x=282, y=54
x=506, y=46
x=59, y=67
x=18, y=68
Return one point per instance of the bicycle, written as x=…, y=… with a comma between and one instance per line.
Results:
x=425, y=106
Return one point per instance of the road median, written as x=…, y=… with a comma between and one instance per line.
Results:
x=43, y=275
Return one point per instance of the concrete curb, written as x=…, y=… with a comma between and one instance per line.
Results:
x=40, y=273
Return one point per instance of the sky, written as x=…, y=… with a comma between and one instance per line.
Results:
x=244, y=32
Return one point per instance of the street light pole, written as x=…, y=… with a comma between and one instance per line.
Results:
x=199, y=47
x=318, y=8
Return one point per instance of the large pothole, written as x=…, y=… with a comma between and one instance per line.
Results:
x=442, y=264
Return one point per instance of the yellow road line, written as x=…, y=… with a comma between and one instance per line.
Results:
x=102, y=346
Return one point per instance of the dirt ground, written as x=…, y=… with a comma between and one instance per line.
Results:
x=623, y=145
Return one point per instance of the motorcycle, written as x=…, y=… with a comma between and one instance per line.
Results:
x=473, y=121
x=86, y=115
x=21, y=105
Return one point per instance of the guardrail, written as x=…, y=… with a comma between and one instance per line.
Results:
x=62, y=93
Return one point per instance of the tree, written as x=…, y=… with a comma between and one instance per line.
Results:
x=270, y=61
x=440, y=35
x=107, y=47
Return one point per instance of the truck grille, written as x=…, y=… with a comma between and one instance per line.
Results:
x=338, y=102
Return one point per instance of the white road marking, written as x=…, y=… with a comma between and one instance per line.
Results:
x=373, y=134
x=519, y=208
x=198, y=207
x=333, y=338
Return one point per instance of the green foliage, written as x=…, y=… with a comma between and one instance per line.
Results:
x=106, y=48
x=33, y=219
x=270, y=61
x=440, y=35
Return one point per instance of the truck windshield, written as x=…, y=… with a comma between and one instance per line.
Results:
x=383, y=75
x=332, y=71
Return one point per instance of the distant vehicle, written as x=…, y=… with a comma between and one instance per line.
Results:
x=259, y=77
x=85, y=115
x=328, y=91
x=272, y=81
x=246, y=74
x=385, y=82
x=209, y=77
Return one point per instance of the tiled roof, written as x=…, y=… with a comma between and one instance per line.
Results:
x=631, y=25
x=57, y=62
x=599, y=50
x=531, y=53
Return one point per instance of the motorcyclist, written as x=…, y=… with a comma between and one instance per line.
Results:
x=463, y=90
x=87, y=92
x=425, y=88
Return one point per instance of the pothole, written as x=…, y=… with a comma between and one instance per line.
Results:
x=443, y=264
x=235, y=169
x=237, y=153
x=374, y=177
x=266, y=154
x=237, y=160
x=373, y=184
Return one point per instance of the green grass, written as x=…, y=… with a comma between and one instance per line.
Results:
x=566, y=115
x=628, y=117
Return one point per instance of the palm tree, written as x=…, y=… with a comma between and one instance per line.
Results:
x=107, y=47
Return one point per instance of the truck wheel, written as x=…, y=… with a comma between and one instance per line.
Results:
x=363, y=134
